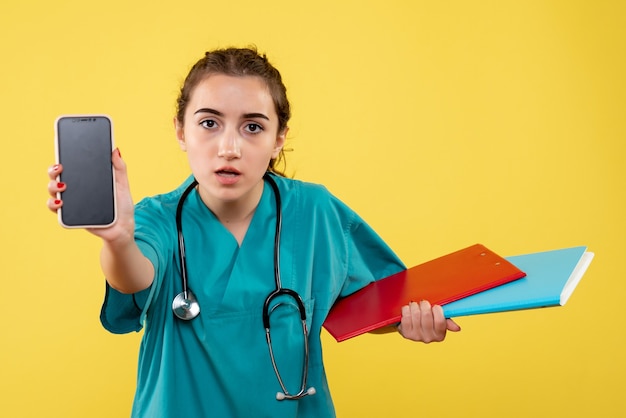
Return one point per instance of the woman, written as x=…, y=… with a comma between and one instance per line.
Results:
x=231, y=120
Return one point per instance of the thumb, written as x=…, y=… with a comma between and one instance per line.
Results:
x=121, y=176
x=116, y=159
x=452, y=326
x=119, y=166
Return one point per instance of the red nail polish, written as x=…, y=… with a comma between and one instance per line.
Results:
x=60, y=185
x=57, y=202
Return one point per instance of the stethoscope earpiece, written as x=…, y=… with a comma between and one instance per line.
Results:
x=185, y=306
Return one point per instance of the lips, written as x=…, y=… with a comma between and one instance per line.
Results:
x=228, y=172
x=227, y=175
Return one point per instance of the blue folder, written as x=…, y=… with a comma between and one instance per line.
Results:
x=551, y=277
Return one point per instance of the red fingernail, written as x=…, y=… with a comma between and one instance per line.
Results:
x=57, y=202
x=60, y=185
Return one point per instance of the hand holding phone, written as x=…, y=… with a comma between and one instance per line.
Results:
x=83, y=145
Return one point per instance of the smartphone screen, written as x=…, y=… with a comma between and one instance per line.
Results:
x=84, y=145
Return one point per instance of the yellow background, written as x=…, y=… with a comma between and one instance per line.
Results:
x=442, y=123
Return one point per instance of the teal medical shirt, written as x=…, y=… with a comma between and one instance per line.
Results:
x=218, y=364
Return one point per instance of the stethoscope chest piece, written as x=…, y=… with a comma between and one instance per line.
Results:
x=185, y=305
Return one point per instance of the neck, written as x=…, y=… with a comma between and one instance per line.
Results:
x=235, y=215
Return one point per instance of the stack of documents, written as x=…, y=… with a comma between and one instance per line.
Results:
x=471, y=281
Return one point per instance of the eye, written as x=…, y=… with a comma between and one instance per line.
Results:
x=253, y=128
x=208, y=123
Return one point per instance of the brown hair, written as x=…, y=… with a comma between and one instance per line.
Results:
x=238, y=62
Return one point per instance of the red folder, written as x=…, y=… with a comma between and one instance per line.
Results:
x=439, y=281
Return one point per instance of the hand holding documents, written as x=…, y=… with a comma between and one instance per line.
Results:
x=439, y=281
x=467, y=282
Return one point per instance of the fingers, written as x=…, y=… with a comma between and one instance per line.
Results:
x=54, y=171
x=421, y=322
x=439, y=323
x=55, y=187
x=54, y=204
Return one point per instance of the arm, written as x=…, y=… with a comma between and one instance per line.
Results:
x=125, y=267
x=370, y=257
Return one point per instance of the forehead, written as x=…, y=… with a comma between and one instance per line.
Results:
x=223, y=92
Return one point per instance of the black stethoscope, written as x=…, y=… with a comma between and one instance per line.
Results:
x=186, y=307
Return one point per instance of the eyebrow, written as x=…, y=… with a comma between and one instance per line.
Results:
x=218, y=113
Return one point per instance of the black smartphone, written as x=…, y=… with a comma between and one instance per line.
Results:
x=84, y=144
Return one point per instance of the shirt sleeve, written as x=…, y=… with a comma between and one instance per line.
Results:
x=123, y=313
x=369, y=257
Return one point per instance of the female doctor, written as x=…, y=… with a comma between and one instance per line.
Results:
x=226, y=333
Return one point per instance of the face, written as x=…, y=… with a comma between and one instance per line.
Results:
x=230, y=133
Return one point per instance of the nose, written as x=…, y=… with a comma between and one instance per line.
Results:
x=229, y=146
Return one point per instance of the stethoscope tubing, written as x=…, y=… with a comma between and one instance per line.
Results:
x=181, y=239
x=185, y=306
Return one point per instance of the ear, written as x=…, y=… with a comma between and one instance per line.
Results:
x=180, y=135
x=280, y=142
